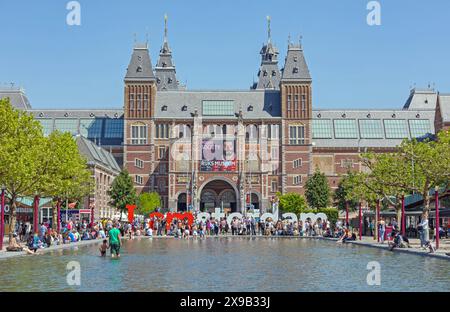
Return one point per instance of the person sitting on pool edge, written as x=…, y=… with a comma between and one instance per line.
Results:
x=114, y=241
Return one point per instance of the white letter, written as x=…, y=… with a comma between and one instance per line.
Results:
x=374, y=16
x=74, y=16
x=374, y=276
x=74, y=276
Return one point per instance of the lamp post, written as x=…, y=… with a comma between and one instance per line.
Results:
x=2, y=221
x=436, y=197
x=360, y=221
x=403, y=216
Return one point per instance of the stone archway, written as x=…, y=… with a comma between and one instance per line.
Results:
x=218, y=193
x=182, y=202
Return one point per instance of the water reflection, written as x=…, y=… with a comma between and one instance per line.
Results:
x=221, y=264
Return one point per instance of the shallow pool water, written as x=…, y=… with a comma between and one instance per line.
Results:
x=226, y=264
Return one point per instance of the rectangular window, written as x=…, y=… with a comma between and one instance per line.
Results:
x=297, y=180
x=419, y=127
x=303, y=104
x=67, y=125
x=274, y=187
x=297, y=163
x=162, y=152
x=289, y=102
x=138, y=134
x=297, y=135
x=274, y=153
x=218, y=108
x=296, y=102
x=345, y=129
x=138, y=163
x=132, y=101
x=162, y=131
x=91, y=128
x=139, y=180
x=371, y=129
x=396, y=129
x=114, y=128
x=274, y=132
x=145, y=101
x=322, y=129
x=47, y=126
x=138, y=101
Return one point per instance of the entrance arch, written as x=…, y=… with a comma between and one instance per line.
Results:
x=219, y=192
x=182, y=202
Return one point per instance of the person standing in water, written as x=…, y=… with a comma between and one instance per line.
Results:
x=114, y=241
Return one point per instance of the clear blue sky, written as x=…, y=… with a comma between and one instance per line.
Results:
x=216, y=45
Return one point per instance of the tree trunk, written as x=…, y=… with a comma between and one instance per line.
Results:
x=13, y=216
x=426, y=205
x=54, y=217
x=398, y=208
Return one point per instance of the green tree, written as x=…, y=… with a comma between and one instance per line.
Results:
x=122, y=192
x=148, y=202
x=292, y=202
x=317, y=191
x=22, y=155
x=68, y=177
x=341, y=195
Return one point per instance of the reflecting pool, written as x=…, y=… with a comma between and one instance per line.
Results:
x=226, y=264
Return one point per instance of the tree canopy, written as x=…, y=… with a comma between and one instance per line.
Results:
x=292, y=202
x=122, y=191
x=148, y=202
x=317, y=191
x=32, y=164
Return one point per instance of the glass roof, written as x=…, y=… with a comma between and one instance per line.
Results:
x=371, y=129
x=322, y=129
x=345, y=129
x=396, y=129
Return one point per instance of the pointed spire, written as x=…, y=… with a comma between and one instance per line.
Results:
x=269, y=73
x=295, y=66
x=165, y=69
x=165, y=27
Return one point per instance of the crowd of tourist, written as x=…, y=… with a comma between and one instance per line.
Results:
x=26, y=238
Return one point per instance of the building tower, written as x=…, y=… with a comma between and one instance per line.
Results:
x=296, y=110
x=165, y=69
x=269, y=73
x=139, y=105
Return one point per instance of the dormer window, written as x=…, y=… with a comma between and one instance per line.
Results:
x=274, y=73
x=393, y=115
x=169, y=80
x=158, y=81
x=265, y=73
x=184, y=108
x=295, y=70
x=344, y=116
x=369, y=116
x=418, y=116
x=295, y=59
x=164, y=108
x=164, y=64
x=250, y=108
x=139, y=69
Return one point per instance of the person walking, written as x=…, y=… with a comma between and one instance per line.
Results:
x=381, y=230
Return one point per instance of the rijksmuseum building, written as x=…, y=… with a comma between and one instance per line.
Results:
x=236, y=149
